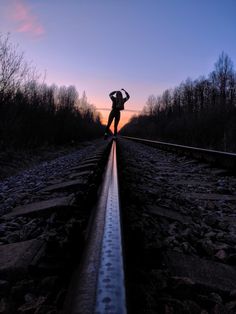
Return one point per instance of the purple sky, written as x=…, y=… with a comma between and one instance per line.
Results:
x=144, y=46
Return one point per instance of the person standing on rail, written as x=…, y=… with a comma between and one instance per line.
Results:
x=117, y=105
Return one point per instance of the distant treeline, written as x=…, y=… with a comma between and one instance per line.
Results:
x=200, y=112
x=33, y=114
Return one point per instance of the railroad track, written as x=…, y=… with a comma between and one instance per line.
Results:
x=179, y=229
x=218, y=158
x=42, y=240
x=166, y=223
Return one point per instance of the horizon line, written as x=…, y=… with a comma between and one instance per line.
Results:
x=108, y=109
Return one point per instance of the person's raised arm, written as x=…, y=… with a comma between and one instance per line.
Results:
x=112, y=95
x=127, y=94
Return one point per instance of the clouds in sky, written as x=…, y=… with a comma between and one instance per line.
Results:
x=26, y=21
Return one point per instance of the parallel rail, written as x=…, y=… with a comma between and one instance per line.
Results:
x=218, y=158
x=98, y=284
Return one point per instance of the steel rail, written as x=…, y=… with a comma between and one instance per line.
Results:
x=98, y=285
x=110, y=297
x=219, y=158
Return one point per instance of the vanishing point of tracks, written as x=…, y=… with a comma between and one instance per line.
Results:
x=175, y=221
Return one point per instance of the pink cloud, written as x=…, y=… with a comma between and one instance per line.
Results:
x=26, y=21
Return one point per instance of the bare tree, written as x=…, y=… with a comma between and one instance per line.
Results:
x=13, y=68
x=150, y=105
x=222, y=76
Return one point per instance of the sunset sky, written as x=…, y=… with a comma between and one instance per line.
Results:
x=144, y=46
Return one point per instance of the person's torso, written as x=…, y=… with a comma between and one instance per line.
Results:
x=118, y=105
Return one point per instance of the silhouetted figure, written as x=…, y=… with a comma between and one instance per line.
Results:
x=117, y=105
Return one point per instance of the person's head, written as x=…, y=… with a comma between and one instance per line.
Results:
x=119, y=95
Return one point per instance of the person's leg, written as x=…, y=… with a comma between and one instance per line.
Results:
x=117, y=119
x=110, y=118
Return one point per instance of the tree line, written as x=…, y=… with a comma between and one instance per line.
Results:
x=199, y=112
x=32, y=113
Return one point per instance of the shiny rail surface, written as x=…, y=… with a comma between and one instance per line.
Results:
x=98, y=284
x=218, y=158
x=110, y=297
